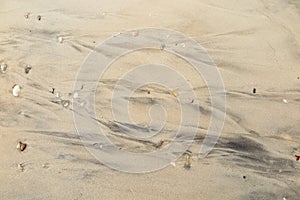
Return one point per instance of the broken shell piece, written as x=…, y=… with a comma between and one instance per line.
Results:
x=187, y=164
x=57, y=95
x=65, y=103
x=173, y=164
x=16, y=90
x=21, y=146
x=285, y=101
x=3, y=67
x=27, y=69
x=60, y=39
x=174, y=93
x=158, y=145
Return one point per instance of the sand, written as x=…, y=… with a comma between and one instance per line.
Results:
x=255, y=44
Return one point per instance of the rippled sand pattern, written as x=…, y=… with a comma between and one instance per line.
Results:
x=254, y=43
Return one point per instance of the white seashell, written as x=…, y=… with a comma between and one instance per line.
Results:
x=60, y=39
x=16, y=90
x=3, y=67
x=285, y=101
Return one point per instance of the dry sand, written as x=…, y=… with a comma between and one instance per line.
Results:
x=255, y=43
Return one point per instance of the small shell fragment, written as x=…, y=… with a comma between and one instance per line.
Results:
x=285, y=101
x=65, y=103
x=174, y=93
x=3, y=67
x=16, y=90
x=159, y=145
x=173, y=164
x=60, y=39
x=21, y=146
x=187, y=164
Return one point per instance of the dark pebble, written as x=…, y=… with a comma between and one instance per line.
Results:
x=39, y=17
x=244, y=177
x=27, y=69
x=254, y=90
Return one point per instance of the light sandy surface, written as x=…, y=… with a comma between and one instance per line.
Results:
x=254, y=43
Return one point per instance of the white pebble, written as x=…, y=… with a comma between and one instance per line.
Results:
x=75, y=95
x=3, y=67
x=16, y=90
x=285, y=101
x=173, y=164
x=57, y=95
x=60, y=39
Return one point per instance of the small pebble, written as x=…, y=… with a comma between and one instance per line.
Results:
x=244, y=177
x=285, y=101
x=16, y=89
x=183, y=45
x=75, y=95
x=173, y=164
x=3, y=67
x=174, y=93
x=57, y=95
x=60, y=39
x=254, y=90
x=159, y=145
x=148, y=92
x=187, y=164
x=21, y=146
x=39, y=17
x=65, y=103
x=27, y=69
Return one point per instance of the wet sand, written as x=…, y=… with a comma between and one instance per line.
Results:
x=255, y=44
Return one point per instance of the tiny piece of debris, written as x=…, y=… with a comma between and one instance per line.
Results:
x=297, y=157
x=148, y=92
x=187, y=164
x=244, y=177
x=173, y=164
x=162, y=46
x=27, y=69
x=21, y=146
x=159, y=145
x=53, y=89
x=254, y=90
x=39, y=17
x=21, y=167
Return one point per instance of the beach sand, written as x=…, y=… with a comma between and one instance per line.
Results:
x=255, y=44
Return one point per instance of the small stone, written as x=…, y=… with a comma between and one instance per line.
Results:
x=3, y=67
x=183, y=45
x=254, y=90
x=57, y=95
x=173, y=164
x=65, y=103
x=21, y=146
x=285, y=101
x=244, y=177
x=187, y=164
x=159, y=145
x=75, y=95
x=60, y=39
x=39, y=17
x=27, y=69
x=174, y=93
